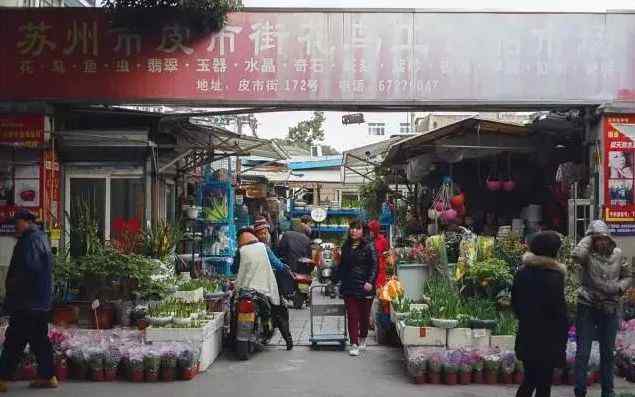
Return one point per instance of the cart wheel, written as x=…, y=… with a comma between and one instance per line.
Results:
x=314, y=346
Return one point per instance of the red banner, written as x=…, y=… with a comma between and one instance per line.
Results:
x=619, y=171
x=22, y=130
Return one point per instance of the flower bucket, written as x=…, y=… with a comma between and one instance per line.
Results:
x=434, y=378
x=491, y=377
x=507, y=379
x=151, y=376
x=28, y=372
x=596, y=377
x=465, y=378
x=451, y=378
x=97, y=375
x=420, y=379
x=518, y=377
x=477, y=377
x=78, y=372
x=110, y=374
x=136, y=375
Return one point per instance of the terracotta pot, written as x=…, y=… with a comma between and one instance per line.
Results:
x=61, y=370
x=28, y=372
x=507, y=379
x=136, y=375
x=105, y=315
x=168, y=374
x=186, y=373
x=491, y=377
x=434, y=378
x=151, y=376
x=420, y=380
x=97, y=376
x=110, y=374
x=518, y=377
x=477, y=377
x=64, y=315
x=78, y=373
x=451, y=379
x=465, y=378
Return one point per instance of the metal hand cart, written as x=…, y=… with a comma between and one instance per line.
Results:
x=322, y=306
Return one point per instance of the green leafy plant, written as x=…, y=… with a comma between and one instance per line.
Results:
x=489, y=277
x=200, y=16
x=444, y=297
x=401, y=304
x=510, y=249
x=506, y=324
x=160, y=239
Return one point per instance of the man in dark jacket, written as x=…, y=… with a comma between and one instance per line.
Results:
x=539, y=303
x=28, y=301
x=295, y=245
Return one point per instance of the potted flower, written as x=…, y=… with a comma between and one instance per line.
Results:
x=508, y=366
x=417, y=365
x=492, y=365
x=477, y=370
x=151, y=366
x=435, y=364
x=450, y=372
x=465, y=372
x=557, y=377
x=111, y=364
x=519, y=373
x=168, y=366
x=27, y=367
x=96, y=365
x=135, y=368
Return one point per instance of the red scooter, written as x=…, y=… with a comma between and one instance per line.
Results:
x=303, y=281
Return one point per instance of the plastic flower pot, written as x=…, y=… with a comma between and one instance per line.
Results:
x=186, y=373
x=136, y=375
x=61, y=370
x=420, y=379
x=168, y=374
x=151, y=376
x=491, y=377
x=465, y=378
x=506, y=379
x=518, y=377
x=434, y=378
x=28, y=372
x=508, y=185
x=493, y=185
x=110, y=374
x=97, y=375
x=557, y=377
x=451, y=378
x=477, y=377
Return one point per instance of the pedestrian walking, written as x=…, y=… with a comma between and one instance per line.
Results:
x=28, y=301
x=606, y=275
x=357, y=271
x=538, y=302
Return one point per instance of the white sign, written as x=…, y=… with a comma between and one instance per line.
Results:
x=318, y=214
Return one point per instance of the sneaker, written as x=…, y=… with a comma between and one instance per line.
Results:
x=362, y=344
x=3, y=387
x=354, y=351
x=45, y=383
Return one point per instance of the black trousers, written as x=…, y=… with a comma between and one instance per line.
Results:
x=280, y=316
x=27, y=327
x=538, y=377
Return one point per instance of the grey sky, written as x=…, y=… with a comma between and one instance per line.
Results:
x=518, y=5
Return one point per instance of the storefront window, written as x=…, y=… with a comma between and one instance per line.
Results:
x=127, y=199
x=19, y=178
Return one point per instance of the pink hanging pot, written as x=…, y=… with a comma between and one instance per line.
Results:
x=493, y=185
x=449, y=215
x=509, y=185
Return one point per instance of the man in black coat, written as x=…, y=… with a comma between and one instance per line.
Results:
x=295, y=245
x=29, y=289
x=539, y=303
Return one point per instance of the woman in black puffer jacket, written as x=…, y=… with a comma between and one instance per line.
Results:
x=357, y=271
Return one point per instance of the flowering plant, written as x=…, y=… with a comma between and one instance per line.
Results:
x=508, y=362
x=492, y=362
x=435, y=363
x=127, y=235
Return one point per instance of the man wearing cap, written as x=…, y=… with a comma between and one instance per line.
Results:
x=28, y=301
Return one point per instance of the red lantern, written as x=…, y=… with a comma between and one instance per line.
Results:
x=457, y=201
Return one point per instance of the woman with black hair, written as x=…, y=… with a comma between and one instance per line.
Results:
x=357, y=271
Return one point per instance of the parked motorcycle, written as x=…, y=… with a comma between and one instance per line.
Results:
x=303, y=281
x=252, y=322
x=326, y=270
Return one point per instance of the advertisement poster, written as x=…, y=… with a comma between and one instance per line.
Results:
x=619, y=178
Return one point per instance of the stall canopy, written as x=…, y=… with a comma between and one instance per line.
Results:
x=199, y=143
x=358, y=165
x=472, y=137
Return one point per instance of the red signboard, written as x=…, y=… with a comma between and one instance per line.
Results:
x=324, y=57
x=22, y=130
x=619, y=175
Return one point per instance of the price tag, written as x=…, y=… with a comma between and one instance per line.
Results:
x=95, y=304
x=423, y=332
x=479, y=333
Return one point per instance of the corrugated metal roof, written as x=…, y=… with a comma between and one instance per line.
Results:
x=315, y=164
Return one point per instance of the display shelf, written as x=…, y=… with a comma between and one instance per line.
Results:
x=299, y=212
x=332, y=229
